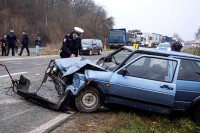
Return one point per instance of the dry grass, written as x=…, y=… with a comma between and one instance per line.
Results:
x=51, y=49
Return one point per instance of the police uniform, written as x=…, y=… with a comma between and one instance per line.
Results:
x=71, y=45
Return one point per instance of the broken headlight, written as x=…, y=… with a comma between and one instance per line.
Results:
x=55, y=68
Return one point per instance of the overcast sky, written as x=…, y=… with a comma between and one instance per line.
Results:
x=165, y=17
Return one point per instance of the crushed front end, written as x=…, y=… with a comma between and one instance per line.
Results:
x=67, y=76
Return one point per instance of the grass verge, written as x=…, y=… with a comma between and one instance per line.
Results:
x=194, y=51
x=124, y=122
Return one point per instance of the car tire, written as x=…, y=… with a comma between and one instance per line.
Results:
x=100, y=51
x=90, y=52
x=88, y=100
x=196, y=115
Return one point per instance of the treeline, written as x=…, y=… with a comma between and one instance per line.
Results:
x=52, y=19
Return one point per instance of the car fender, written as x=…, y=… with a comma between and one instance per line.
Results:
x=75, y=87
x=104, y=76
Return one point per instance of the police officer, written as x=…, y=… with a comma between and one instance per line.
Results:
x=12, y=39
x=72, y=44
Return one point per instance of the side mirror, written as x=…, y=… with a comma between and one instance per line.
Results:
x=123, y=72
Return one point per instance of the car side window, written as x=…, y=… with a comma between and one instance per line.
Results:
x=94, y=42
x=152, y=68
x=189, y=70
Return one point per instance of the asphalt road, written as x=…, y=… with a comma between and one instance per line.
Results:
x=18, y=115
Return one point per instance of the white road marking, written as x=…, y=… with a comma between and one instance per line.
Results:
x=50, y=125
x=11, y=101
x=2, y=76
x=16, y=114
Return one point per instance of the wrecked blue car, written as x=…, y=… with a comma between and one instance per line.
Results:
x=143, y=78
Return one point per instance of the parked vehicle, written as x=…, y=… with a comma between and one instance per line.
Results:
x=167, y=39
x=148, y=79
x=164, y=46
x=90, y=46
x=117, y=38
x=152, y=39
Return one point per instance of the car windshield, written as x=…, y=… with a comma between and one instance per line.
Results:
x=121, y=55
x=86, y=41
x=164, y=45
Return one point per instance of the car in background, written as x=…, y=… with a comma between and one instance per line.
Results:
x=91, y=46
x=164, y=46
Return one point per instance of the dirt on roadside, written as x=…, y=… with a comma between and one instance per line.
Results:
x=86, y=123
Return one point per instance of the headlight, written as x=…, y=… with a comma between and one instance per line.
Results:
x=157, y=48
x=76, y=81
x=54, y=68
x=84, y=48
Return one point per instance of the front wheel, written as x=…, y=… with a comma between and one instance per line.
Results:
x=196, y=115
x=88, y=100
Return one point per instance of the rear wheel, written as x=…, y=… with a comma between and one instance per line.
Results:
x=196, y=115
x=88, y=100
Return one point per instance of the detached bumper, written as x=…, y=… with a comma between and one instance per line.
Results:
x=22, y=90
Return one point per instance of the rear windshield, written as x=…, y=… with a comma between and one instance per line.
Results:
x=86, y=41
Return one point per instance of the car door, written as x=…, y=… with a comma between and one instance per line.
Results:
x=94, y=46
x=148, y=80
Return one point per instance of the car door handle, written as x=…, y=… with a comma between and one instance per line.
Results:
x=166, y=87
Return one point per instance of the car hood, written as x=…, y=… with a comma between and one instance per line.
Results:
x=71, y=65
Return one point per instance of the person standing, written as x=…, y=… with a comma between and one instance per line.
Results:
x=25, y=42
x=37, y=46
x=72, y=44
x=4, y=45
x=11, y=38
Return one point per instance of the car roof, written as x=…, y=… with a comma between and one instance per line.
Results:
x=167, y=53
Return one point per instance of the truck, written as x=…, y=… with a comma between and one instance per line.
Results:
x=135, y=36
x=117, y=38
x=167, y=39
x=152, y=39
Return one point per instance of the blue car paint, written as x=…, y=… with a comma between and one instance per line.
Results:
x=76, y=89
x=140, y=96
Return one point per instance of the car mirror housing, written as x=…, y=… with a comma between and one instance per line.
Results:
x=123, y=72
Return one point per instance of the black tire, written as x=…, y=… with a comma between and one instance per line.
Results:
x=196, y=115
x=99, y=52
x=88, y=100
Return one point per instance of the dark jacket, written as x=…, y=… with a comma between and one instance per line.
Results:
x=176, y=46
x=37, y=42
x=25, y=40
x=4, y=43
x=11, y=38
x=70, y=46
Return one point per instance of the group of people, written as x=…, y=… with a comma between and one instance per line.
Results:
x=10, y=41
